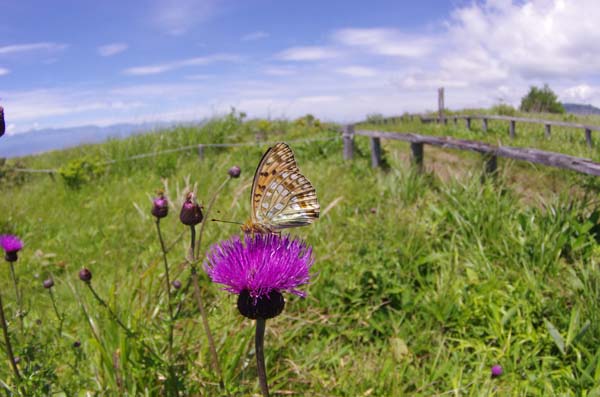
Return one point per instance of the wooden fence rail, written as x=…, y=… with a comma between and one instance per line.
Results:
x=490, y=152
x=512, y=123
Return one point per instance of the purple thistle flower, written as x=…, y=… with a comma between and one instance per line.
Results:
x=260, y=264
x=496, y=371
x=11, y=245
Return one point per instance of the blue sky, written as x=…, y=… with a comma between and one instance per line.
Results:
x=68, y=63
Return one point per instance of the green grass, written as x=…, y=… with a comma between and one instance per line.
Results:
x=422, y=281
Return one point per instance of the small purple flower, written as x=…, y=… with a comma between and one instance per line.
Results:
x=259, y=268
x=11, y=245
x=48, y=283
x=496, y=371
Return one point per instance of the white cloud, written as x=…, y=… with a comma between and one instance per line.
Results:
x=112, y=49
x=177, y=17
x=280, y=71
x=309, y=53
x=319, y=99
x=255, y=36
x=581, y=92
x=357, y=71
x=390, y=42
x=4, y=71
x=199, y=77
x=165, y=67
x=32, y=47
x=537, y=39
x=31, y=105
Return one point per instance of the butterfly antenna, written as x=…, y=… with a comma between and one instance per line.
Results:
x=220, y=220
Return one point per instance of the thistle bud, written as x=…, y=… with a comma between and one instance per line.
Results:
x=191, y=211
x=234, y=171
x=48, y=283
x=176, y=284
x=85, y=275
x=160, y=206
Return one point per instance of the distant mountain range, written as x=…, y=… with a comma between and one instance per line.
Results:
x=578, y=108
x=38, y=141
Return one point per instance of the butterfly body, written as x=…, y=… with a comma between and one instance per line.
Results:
x=281, y=196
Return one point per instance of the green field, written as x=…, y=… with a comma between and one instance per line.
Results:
x=422, y=282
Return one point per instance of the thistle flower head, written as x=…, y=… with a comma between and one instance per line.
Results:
x=259, y=264
x=191, y=211
x=160, y=206
x=85, y=275
x=496, y=371
x=258, y=269
x=11, y=245
x=48, y=283
x=234, y=171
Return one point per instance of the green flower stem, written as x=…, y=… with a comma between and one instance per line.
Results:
x=103, y=303
x=114, y=316
x=260, y=356
x=168, y=290
x=60, y=317
x=15, y=281
x=7, y=343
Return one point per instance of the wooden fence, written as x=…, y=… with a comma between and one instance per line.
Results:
x=512, y=123
x=489, y=152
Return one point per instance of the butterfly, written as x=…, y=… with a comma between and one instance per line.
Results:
x=281, y=196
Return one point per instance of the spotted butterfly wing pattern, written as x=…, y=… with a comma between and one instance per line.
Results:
x=281, y=196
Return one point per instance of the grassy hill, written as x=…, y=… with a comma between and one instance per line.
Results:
x=422, y=282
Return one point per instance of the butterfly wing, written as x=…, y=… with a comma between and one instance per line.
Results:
x=281, y=196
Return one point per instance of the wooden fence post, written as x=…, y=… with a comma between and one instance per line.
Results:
x=441, y=118
x=348, y=137
x=484, y=125
x=375, y=152
x=588, y=137
x=511, y=129
x=417, y=155
x=547, y=131
x=468, y=123
x=200, y=152
x=455, y=120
